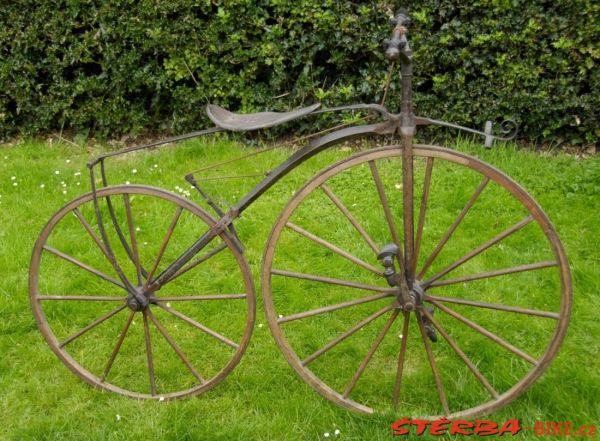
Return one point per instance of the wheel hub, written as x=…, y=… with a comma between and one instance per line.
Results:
x=409, y=299
x=137, y=300
x=416, y=295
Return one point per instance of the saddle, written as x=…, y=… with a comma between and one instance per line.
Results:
x=237, y=122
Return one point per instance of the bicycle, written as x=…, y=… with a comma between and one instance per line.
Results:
x=320, y=274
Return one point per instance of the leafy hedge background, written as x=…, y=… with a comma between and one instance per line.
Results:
x=111, y=67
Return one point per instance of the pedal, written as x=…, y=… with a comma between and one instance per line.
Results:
x=429, y=328
x=387, y=255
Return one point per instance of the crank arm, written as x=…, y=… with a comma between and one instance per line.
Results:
x=509, y=129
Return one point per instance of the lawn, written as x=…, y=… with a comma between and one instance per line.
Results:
x=263, y=398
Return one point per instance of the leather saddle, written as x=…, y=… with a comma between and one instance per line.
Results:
x=237, y=122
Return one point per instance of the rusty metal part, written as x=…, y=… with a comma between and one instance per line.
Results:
x=508, y=129
x=308, y=152
x=165, y=141
x=386, y=255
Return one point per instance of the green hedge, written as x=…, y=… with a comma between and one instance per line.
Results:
x=111, y=67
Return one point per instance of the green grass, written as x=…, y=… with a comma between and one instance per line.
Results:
x=263, y=398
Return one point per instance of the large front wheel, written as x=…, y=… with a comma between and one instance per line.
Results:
x=489, y=281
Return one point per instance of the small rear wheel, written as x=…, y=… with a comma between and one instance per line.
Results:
x=489, y=285
x=94, y=303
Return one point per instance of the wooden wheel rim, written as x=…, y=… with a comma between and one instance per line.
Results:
x=74, y=365
x=458, y=158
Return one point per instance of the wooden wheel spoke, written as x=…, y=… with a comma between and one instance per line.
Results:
x=386, y=207
x=91, y=326
x=132, y=236
x=84, y=298
x=480, y=249
x=84, y=266
x=202, y=297
x=480, y=329
x=325, y=309
x=453, y=227
x=338, y=203
x=422, y=212
x=401, y=357
x=484, y=382
x=199, y=326
x=478, y=304
x=436, y=374
x=197, y=262
x=117, y=347
x=175, y=347
x=149, y=356
x=370, y=353
x=164, y=244
x=335, y=249
x=346, y=334
x=495, y=273
x=331, y=281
